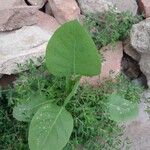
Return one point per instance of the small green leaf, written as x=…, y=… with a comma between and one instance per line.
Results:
x=71, y=51
x=25, y=111
x=120, y=109
x=50, y=128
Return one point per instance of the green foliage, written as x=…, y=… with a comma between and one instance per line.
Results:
x=26, y=110
x=110, y=27
x=50, y=128
x=50, y=113
x=92, y=127
x=71, y=51
x=66, y=56
x=12, y=133
x=121, y=109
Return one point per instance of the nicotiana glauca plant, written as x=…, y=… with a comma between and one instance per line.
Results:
x=71, y=53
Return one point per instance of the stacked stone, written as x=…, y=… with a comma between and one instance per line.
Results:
x=26, y=26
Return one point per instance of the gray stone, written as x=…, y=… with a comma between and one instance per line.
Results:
x=138, y=130
x=38, y=3
x=129, y=50
x=146, y=95
x=94, y=6
x=17, y=17
x=126, y=5
x=140, y=40
x=140, y=81
x=48, y=9
x=100, y=6
x=4, y=4
x=28, y=43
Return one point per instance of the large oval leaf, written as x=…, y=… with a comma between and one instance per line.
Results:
x=120, y=109
x=50, y=128
x=71, y=51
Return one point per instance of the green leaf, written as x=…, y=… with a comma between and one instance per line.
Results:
x=25, y=111
x=50, y=128
x=71, y=51
x=120, y=109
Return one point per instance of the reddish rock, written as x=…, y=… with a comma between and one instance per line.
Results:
x=47, y=22
x=17, y=17
x=38, y=3
x=111, y=65
x=64, y=10
x=144, y=6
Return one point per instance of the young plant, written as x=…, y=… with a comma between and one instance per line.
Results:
x=71, y=53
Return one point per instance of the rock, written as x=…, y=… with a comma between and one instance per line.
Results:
x=38, y=3
x=129, y=50
x=140, y=40
x=48, y=9
x=28, y=43
x=4, y=4
x=146, y=95
x=111, y=65
x=100, y=6
x=47, y=22
x=145, y=66
x=94, y=6
x=17, y=17
x=140, y=81
x=126, y=5
x=138, y=130
x=64, y=10
x=144, y=6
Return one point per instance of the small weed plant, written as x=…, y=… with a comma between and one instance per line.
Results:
x=61, y=114
x=93, y=128
x=110, y=27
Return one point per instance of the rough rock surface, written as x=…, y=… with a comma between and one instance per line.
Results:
x=126, y=5
x=101, y=6
x=138, y=130
x=129, y=50
x=144, y=6
x=64, y=10
x=140, y=40
x=48, y=9
x=47, y=22
x=110, y=68
x=94, y=6
x=28, y=42
x=4, y=4
x=17, y=17
x=38, y=3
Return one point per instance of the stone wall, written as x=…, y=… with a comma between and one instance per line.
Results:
x=26, y=26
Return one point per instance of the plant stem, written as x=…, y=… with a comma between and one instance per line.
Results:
x=68, y=84
x=73, y=92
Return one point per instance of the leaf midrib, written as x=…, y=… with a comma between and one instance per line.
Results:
x=51, y=126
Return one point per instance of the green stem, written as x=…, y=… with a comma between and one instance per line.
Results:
x=68, y=84
x=73, y=92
